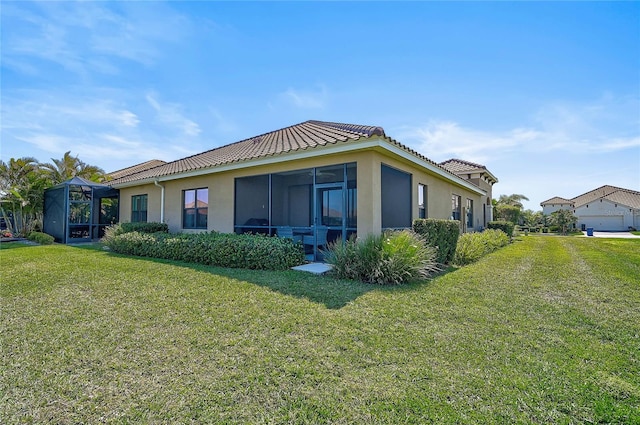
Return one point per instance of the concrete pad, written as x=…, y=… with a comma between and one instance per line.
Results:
x=626, y=235
x=315, y=268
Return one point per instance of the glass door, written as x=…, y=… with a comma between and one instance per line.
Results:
x=330, y=223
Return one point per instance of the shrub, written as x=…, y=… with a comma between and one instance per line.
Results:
x=440, y=234
x=473, y=246
x=152, y=227
x=393, y=258
x=505, y=226
x=215, y=249
x=118, y=229
x=41, y=238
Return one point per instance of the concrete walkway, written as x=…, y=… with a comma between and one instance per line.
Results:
x=315, y=268
x=627, y=235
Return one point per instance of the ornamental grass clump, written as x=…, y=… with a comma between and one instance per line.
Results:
x=393, y=258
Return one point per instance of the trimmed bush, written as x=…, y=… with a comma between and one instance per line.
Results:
x=393, y=258
x=215, y=249
x=440, y=234
x=152, y=227
x=505, y=226
x=41, y=238
x=473, y=246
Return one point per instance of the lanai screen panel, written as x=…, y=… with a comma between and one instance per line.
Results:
x=54, y=222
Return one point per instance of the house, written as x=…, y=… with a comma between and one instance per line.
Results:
x=315, y=180
x=607, y=208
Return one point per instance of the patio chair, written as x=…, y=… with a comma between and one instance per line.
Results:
x=317, y=240
x=287, y=233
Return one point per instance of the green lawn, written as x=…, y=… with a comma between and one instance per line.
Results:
x=546, y=330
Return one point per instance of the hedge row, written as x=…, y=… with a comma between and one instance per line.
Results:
x=440, y=234
x=152, y=227
x=473, y=246
x=215, y=249
x=505, y=226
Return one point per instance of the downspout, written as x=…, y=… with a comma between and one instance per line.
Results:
x=161, y=200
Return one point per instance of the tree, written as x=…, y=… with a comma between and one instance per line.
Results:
x=22, y=188
x=564, y=219
x=509, y=207
x=71, y=166
x=23, y=182
x=513, y=200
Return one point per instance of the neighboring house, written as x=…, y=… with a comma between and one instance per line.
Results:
x=607, y=208
x=316, y=180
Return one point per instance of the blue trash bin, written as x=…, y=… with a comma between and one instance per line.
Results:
x=589, y=231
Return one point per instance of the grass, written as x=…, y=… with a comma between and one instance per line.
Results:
x=542, y=331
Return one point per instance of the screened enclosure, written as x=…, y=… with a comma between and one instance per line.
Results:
x=315, y=206
x=79, y=210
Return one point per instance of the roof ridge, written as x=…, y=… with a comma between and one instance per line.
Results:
x=464, y=162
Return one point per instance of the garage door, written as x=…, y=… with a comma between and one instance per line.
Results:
x=604, y=222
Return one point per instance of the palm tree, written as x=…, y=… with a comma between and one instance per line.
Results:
x=513, y=200
x=22, y=188
x=509, y=207
x=69, y=167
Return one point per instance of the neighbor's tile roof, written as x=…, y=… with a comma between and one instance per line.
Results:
x=136, y=168
x=618, y=195
x=614, y=194
x=607, y=192
x=556, y=200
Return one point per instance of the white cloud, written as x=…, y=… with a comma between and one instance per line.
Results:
x=608, y=124
x=170, y=115
x=87, y=37
x=109, y=128
x=306, y=99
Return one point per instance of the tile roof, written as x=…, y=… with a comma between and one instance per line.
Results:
x=136, y=168
x=611, y=193
x=604, y=192
x=307, y=135
x=460, y=166
x=618, y=195
x=557, y=200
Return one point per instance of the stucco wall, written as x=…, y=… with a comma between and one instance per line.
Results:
x=221, y=191
x=605, y=215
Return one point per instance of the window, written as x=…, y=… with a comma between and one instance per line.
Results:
x=395, y=198
x=455, y=207
x=139, y=209
x=469, y=213
x=195, y=208
x=422, y=201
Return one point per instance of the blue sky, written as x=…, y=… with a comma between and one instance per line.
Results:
x=546, y=95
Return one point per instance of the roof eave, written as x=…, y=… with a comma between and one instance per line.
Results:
x=373, y=142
